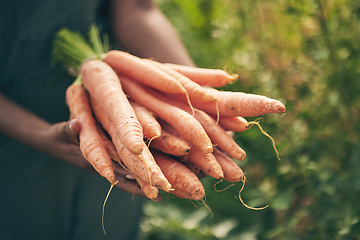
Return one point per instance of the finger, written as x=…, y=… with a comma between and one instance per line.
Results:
x=74, y=128
x=125, y=174
x=129, y=186
x=130, y=176
x=68, y=131
x=120, y=171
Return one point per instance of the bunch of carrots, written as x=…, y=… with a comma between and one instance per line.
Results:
x=166, y=124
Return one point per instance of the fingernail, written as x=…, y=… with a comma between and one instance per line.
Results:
x=131, y=177
x=70, y=124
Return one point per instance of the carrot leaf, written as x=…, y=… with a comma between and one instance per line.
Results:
x=71, y=48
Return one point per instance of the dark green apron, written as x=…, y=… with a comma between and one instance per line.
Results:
x=42, y=197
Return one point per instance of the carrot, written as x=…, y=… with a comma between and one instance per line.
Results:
x=200, y=174
x=232, y=104
x=110, y=148
x=170, y=144
x=185, y=183
x=196, y=160
x=150, y=125
x=216, y=133
x=206, y=162
x=194, y=89
x=140, y=165
x=150, y=191
x=170, y=129
x=104, y=86
x=187, y=126
x=236, y=124
x=232, y=172
x=91, y=144
x=143, y=72
x=219, y=136
x=205, y=76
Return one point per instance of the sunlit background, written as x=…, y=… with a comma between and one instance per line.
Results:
x=306, y=54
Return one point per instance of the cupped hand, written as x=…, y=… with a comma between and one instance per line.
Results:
x=61, y=140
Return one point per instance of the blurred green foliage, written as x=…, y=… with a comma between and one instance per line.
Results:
x=307, y=55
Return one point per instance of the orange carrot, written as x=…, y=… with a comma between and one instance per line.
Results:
x=150, y=191
x=170, y=129
x=205, y=76
x=197, y=161
x=236, y=124
x=108, y=144
x=187, y=126
x=143, y=72
x=104, y=86
x=185, y=183
x=170, y=144
x=141, y=165
x=240, y=104
x=200, y=174
x=91, y=144
x=232, y=172
x=194, y=89
x=150, y=125
x=219, y=136
x=216, y=133
x=205, y=162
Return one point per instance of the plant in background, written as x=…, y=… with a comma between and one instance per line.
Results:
x=306, y=54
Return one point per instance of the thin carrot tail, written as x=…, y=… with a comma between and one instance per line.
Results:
x=268, y=135
x=242, y=201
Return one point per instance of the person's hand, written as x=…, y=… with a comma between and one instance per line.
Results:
x=61, y=140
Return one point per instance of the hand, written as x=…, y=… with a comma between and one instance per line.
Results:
x=62, y=141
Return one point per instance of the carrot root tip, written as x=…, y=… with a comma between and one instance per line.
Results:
x=268, y=135
x=224, y=189
x=103, y=208
x=242, y=201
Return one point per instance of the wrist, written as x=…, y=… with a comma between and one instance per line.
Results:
x=20, y=124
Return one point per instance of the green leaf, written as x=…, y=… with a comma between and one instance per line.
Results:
x=71, y=49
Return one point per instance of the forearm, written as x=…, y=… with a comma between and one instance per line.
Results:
x=141, y=28
x=20, y=124
x=58, y=140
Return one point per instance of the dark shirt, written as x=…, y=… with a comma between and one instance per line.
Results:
x=42, y=197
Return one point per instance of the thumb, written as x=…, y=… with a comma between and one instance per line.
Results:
x=69, y=131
